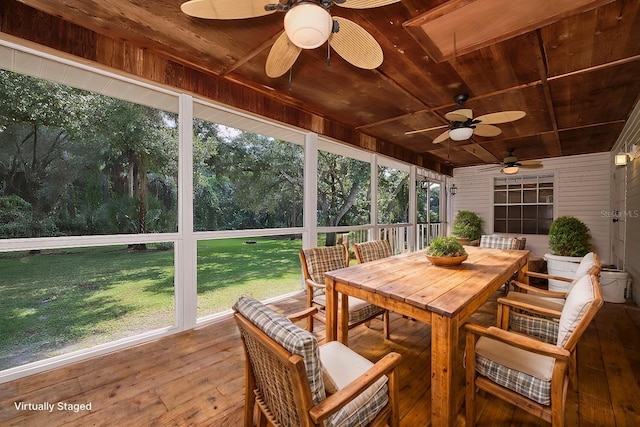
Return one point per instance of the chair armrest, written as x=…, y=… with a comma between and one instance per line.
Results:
x=547, y=276
x=528, y=307
x=339, y=399
x=313, y=284
x=310, y=311
x=520, y=341
x=542, y=292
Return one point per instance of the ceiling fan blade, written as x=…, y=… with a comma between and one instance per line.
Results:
x=225, y=9
x=491, y=168
x=281, y=57
x=355, y=45
x=410, y=132
x=461, y=115
x=501, y=117
x=530, y=165
x=365, y=4
x=487, y=130
x=442, y=137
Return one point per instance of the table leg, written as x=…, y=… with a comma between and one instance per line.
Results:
x=331, y=311
x=343, y=320
x=444, y=345
x=522, y=273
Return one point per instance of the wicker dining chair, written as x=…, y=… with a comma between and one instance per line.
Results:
x=296, y=383
x=317, y=261
x=371, y=250
x=525, y=297
x=527, y=372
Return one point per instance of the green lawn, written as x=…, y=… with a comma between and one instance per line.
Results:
x=231, y=267
x=69, y=299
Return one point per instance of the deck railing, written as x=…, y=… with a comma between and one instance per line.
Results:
x=398, y=235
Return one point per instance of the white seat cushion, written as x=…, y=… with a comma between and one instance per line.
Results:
x=340, y=367
x=533, y=364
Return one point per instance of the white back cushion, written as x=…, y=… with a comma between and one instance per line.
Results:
x=583, y=268
x=575, y=306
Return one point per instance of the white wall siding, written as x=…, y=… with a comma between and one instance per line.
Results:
x=629, y=254
x=632, y=250
x=582, y=189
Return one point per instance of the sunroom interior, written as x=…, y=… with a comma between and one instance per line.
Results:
x=582, y=115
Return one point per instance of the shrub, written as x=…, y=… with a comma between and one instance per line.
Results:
x=568, y=236
x=467, y=225
x=15, y=217
x=445, y=246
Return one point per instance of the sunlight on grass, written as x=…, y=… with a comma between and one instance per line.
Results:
x=63, y=300
x=261, y=267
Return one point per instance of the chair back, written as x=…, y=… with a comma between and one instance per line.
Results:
x=580, y=307
x=372, y=250
x=589, y=264
x=499, y=242
x=317, y=261
x=283, y=364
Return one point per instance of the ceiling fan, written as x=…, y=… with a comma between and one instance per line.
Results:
x=510, y=164
x=462, y=124
x=307, y=25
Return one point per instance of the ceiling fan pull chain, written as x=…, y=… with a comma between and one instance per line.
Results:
x=291, y=78
x=328, y=56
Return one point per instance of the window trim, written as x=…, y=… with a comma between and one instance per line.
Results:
x=537, y=177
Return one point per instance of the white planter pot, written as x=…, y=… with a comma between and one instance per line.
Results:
x=563, y=266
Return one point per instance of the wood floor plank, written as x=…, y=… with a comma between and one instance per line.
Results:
x=196, y=378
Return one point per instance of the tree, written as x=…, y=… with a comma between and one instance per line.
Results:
x=78, y=158
x=38, y=123
x=343, y=192
x=393, y=196
x=245, y=180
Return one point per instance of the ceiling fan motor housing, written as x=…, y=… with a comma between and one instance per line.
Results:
x=510, y=160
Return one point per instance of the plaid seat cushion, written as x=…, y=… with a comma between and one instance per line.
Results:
x=376, y=249
x=538, y=327
x=296, y=340
x=498, y=242
x=359, y=310
x=524, y=372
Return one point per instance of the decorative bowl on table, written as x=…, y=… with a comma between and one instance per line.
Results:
x=446, y=251
x=446, y=260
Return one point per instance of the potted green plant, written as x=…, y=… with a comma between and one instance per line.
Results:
x=446, y=251
x=467, y=226
x=568, y=242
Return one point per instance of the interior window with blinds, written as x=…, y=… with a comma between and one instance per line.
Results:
x=523, y=204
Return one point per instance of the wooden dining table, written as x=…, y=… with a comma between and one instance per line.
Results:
x=444, y=297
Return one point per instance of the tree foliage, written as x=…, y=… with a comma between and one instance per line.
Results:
x=82, y=161
x=74, y=162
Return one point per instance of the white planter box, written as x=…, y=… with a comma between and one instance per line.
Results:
x=563, y=266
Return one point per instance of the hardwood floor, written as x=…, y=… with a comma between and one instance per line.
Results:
x=196, y=378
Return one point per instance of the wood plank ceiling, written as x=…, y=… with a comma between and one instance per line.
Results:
x=577, y=78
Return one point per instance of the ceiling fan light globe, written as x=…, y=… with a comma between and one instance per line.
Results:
x=308, y=25
x=460, y=134
x=510, y=170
